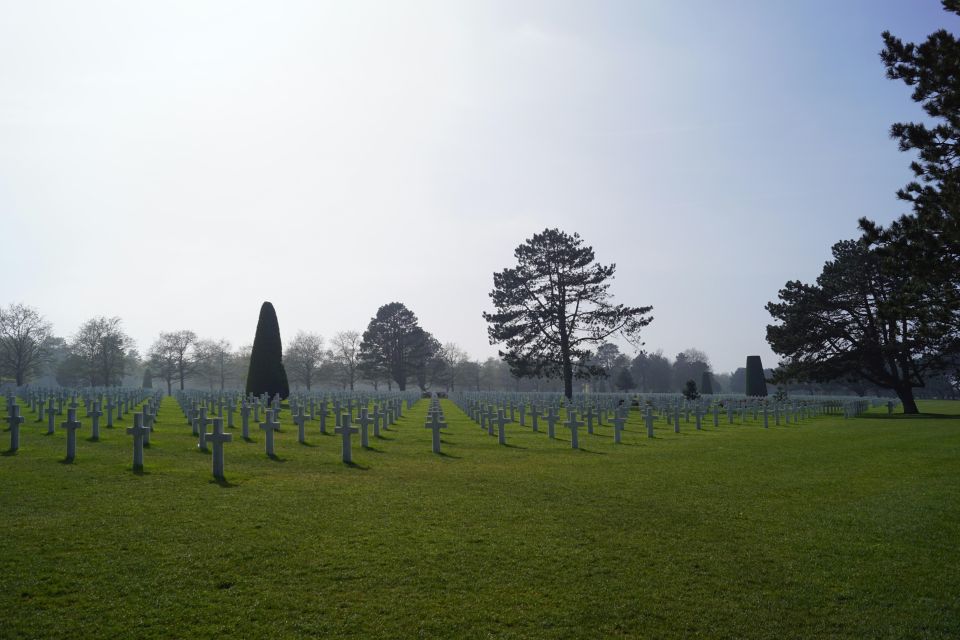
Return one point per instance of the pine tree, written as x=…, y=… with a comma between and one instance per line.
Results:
x=553, y=306
x=266, y=373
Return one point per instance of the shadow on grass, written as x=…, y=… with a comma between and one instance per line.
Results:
x=276, y=458
x=354, y=465
x=248, y=439
x=92, y=439
x=915, y=416
x=8, y=453
x=447, y=455
x=307, y=444
x=597, y=453
x=66, y=461
x=512, y=446
x=382, y=437
x=372, y=449
x=223, y=483
x=140, y=472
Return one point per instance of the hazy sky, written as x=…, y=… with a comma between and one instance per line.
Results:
x=176, y=164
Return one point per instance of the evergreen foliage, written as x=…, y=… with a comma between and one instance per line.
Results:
x=690, y=390
x=706, y=383
x=553, y=305
x=266, y=373
x=756, y=383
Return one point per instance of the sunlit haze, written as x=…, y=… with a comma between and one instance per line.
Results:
x=176, y=164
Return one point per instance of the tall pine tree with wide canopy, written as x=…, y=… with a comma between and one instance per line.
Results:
x=553, y=305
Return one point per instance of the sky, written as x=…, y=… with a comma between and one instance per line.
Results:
x=177, y=163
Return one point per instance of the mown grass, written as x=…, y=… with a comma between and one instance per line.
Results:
x=831, y=528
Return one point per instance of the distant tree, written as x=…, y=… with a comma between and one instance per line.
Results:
x=147, y=379
x=624, y=379
x=470, y=374
x=453, y=358
x=394, y=342
x=690, y=390
x=304, y=356
x=690, y=364
x=23, y=342
x=553, y=306
x=163, y=361
x=706, y=383
x=100, y=345
x=173, y=356
x=429, y=364
x=345, y=356
x=267, y=373
x=652, y=372
x=738, y=381
x=211, y=361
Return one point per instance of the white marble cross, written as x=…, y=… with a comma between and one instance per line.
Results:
x=95, y=414
x=139, y=431
x=71, y=426
x=218, y=438
x=200, y=426
x=269, y=426
x=436, y=423
x=618, y=422
x=14, y=419
x=345, y=431
x=300, y=419
x=573, y=425
x=552, y=419
x=501, y=421
x=364, y=421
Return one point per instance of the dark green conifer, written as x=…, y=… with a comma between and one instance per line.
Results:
x=756, y=383
x=266, y=373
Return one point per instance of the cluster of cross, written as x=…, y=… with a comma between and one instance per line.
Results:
x=363, y=413
x=346, y=410
x=48, y=404
x=495, y=416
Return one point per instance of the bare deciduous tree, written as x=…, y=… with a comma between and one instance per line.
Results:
x=345, y=353
x=23, y=339
x=101, y=345
x=303, y=358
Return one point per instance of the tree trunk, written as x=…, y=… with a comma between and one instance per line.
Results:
x=905, y=393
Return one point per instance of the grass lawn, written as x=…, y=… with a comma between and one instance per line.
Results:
x=831, y=528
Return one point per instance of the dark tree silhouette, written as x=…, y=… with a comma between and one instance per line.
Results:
x=394, y=342
x=926, y=241
x=553, y=305
x=865, y=318
x=266, y=373
x=756, y=384
x=706, y=383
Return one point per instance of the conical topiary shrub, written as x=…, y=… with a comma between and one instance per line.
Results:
x=756, y=384
x=266, y=373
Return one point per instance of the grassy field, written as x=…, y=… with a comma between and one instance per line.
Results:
x=832, y=528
